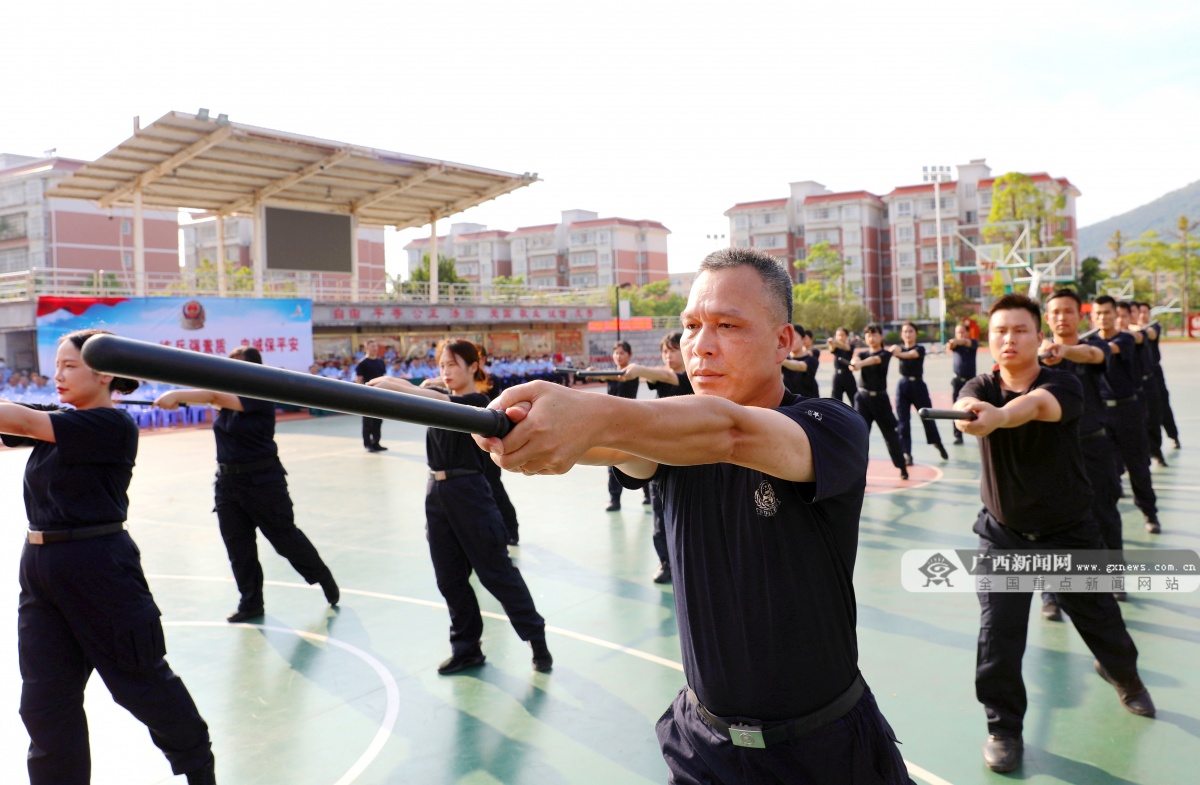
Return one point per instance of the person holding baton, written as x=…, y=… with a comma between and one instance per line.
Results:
x=1036, y=496
x=1160, y=382
x=252, y=492
x=965, y=349
x=763, y=492
x=620, y=387
x=912, y=393
x=871, y=401
x=462, y=523
x=842, y=349
x=85, y=604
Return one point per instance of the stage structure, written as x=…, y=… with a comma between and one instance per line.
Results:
x=284, y=181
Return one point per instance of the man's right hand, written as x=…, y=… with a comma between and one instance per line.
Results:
x=553, y=427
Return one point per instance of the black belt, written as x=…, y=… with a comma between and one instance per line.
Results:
x=35, y=537
x=963, y=379
x=246, y=468
x=450, y=474
x=913, y=378
x=756, y=736
x=873, y=393
x=1119, y=401
x=1093, y=435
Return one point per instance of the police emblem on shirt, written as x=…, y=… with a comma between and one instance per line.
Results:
x=813, y=414
x=765, y=500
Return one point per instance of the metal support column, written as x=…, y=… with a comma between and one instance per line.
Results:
x=139, y=244
x=433, y=259
x=257, y=250
x=222, y=290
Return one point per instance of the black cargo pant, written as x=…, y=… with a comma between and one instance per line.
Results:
x=372, y=430
x=1126, y=424
x=466, y=533
x=956, y=390
x=844, y=384
x=85, y=605
x=1168, y=416
x=507, y=512
x=1004, y=624
x=260, y=501
x=660, y=523
x=876, y=408
x=1151, y=399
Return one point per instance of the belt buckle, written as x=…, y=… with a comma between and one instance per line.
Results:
x=440, y=475
x=35, y=538
x=750, y=736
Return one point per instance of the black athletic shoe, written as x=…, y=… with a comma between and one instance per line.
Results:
x=1120, y=596
x=1153, y=526
x=542, y=661
x=204, y=776
x=613, y=507
x=1051, y=611
x=1177, y=443
x=460, y=662
x=908, y=461
x=1003, y=753
x=904, y=474
x=1161, y=460
x=942, y=449
x=958, y=441
x=513, y=541
x=377, y=448
x=330, y=587
x=240, y=616
x=664, y=573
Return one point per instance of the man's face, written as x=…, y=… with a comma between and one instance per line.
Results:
x=961, y=333
x=1104, y=316
x=733, y=338
x=1122, y=318
x=372, y=349
x=1062, y=314
x=1143, y=316
x=1014, y=338
x=620, y=356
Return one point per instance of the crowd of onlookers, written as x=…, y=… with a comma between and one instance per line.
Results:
x=504, y=370
x=25, y=386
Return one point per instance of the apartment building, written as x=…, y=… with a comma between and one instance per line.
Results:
x=580, y=251
x=889, y=242
x=42, y=233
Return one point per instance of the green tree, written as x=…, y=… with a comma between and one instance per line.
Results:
x=655, y=299
x=1016, y=197
x=238, y=277
x=958, y=305
x=1089, y=276
x=811, y=292
x=1186, y=244
x=1154, y=255
x=826, y=263
x=447, y=272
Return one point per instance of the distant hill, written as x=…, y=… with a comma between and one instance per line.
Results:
x=1162, y=214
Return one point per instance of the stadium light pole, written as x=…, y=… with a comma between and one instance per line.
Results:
x=938, y=175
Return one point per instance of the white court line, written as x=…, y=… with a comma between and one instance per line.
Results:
x=393, y=709
x=888, y=479
x=390, y=714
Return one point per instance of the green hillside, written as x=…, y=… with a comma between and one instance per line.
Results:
x=1161, y=214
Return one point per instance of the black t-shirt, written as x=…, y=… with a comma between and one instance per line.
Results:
x=1146, y=363
x=1121, y=377
x=369, y=368
x=664, y=390
x=916, y=366
x=623, y=389
x=841, y=360
x=808, y=382
x=451, y=449
x=763, y=571
x=81, y=478
x=246, y=436
x=874, y=377
x=964, y=359
x=1155, y=349
x=1033, y=476
x=1089, y=375
x=794, y=380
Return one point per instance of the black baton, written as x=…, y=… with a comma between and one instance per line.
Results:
x=154, y=362
x=945, y=414
x=588, y=374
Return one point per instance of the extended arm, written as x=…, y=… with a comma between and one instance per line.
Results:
x=173, y=399
x=20, y=420
x=795, y=365
x=558, y=428
x=404, y=386
x=650, y=374
x=1039, y=405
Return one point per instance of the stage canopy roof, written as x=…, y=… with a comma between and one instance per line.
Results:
x=193, y=161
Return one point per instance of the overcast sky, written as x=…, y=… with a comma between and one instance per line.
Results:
x=666, y=111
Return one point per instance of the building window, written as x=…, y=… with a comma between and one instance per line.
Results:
x=468, y=249
x=14, y=260
x=583, y=259
x=127, y=227
x=543, y=263
x=606, y=259
x=467, y=269
x=853, y=261
x=905, y=259
x=903, y=209
x=820, y=214
x=973, y=292
x=908, y=310
x=126, y=259
x=518, y=245
x=602, y=237
x=948, y=203
x=740, y=222
x=767, y=241
x=641, y=258
x=907, y=284
x=904, y=234
x=852, y=237
x=850, y=212
x=969, y=190
x=985, y=198
x=583, y=279
x=972, y=217
x=12, y=226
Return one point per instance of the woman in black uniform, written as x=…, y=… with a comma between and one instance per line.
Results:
x=463, y=524
x=794, y=367
x=912, y=393
x=252, y=493
x=812, y=361
x=843, y=378
x=667, y=382
x=871, y=401
x=84, y=601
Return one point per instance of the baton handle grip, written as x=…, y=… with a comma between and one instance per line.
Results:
x=945, y=414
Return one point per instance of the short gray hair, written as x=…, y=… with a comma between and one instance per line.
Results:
x=775, y=277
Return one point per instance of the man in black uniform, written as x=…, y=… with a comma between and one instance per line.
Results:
x=1036, y=496
x=1130, y=318
x=871, y=400
x=1160, y=381
x=763, y=494
x=667, y=382
x=371, y=367
x=965, y=349
x=1086, y=360
x=621, y=387
x=841, y=347
x=1123, y=413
